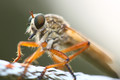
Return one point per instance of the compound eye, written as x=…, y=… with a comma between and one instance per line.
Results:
x=39, y=21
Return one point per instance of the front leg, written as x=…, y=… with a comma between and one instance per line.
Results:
x=39, y=52
x=24, y=43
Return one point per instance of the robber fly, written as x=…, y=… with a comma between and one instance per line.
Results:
x=51, y=32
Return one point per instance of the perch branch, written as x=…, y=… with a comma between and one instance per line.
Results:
x=16, y=69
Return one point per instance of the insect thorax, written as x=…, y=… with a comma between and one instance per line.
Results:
x=54, y=32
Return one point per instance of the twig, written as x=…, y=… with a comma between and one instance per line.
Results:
x=16, y=69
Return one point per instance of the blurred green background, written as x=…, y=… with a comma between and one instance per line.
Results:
x=84, y=16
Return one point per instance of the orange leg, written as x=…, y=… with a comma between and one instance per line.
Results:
x=33, y=57
x=24, y=43
x=30, y=59
x=61, y=55
x=83, y=45
x=57, y=60
x=74, y=47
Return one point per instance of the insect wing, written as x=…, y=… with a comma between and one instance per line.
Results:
x=98, y=55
